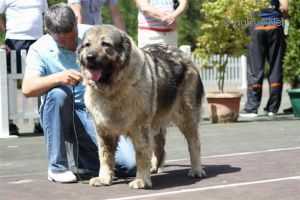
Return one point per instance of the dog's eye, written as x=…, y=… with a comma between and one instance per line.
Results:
x=105, y=44
x=87, y=44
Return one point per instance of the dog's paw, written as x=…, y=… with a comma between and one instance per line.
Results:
x=98, y=181
x=140, y=184
x=197, y=173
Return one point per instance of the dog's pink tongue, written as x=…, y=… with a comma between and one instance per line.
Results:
x=95, y=75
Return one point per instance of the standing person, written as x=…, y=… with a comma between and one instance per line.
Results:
x=157, y=21
x=22, y=22
x=267, y=43
x=53, y=72
x=89, y=11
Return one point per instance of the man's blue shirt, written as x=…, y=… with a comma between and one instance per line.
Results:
x=45, y=58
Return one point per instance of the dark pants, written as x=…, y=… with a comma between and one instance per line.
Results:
x=17, y=45
x=265, y=45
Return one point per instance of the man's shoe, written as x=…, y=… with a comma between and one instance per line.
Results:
x=13, y=129
x=248, y=115
x=62, y=177
x=38, y=128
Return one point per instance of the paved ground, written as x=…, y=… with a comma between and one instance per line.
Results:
x=255, y=160
x=248, y=160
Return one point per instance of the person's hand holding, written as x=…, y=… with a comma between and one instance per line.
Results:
x=6, y=48
x=169, y=18
x=69, y=77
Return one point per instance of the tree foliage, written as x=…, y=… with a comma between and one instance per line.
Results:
x=189, y=23
x=292, y=57
x=223, y=31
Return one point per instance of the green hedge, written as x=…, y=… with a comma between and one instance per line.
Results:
x=292, y=57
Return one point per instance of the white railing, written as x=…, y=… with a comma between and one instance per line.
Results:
x=14, y=105
x=235, y=76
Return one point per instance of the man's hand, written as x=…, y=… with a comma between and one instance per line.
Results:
x=69, y=77
x=4, y=47
x=168, y=18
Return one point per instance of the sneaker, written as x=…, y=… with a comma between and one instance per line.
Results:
x=62, y=177
x=271, y=114
x=249, y=115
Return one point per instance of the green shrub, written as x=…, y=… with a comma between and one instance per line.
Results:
x=292, y=56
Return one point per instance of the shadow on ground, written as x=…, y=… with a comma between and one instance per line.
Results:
x=178, y=177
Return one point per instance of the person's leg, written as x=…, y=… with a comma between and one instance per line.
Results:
x=19, y=45
x=275, y=58
x=125, y=158
x=13, y=128
x=57, y=126
x=255, y=71
x=87, y=156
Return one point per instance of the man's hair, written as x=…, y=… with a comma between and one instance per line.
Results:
x=59, y=18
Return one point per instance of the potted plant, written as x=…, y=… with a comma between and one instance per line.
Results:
x=224, y=35
x=292, y=59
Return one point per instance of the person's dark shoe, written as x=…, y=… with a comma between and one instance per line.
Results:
x=13, y=129
x=38, y=128
x=288, y=110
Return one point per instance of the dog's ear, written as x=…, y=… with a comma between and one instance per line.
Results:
x=125, y=48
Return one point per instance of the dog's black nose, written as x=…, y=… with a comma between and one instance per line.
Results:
x=91, y=56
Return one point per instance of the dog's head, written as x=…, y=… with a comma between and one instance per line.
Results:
x=104, y=52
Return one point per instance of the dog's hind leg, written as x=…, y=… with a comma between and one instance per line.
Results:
x=188, y=125
x=159, y=153
x=107, y=148
x=142, y=140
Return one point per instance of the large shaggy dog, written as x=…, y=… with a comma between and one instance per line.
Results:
x=138, y=92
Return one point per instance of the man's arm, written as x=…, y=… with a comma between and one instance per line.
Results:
x=170, y=18
x=34, y=84
x=2, y=30
x=2, y=23
x=284, y=7
x=181, y=8
x=117, y=16
x=76, y=7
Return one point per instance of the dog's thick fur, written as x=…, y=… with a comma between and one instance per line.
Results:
x=138, y=92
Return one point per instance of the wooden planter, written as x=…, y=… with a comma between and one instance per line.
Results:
x=224, y=107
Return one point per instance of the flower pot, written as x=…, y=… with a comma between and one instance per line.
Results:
x=224, y=107
x=295, y=100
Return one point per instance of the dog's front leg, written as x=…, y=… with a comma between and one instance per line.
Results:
x=107, y=147
x=142, y=141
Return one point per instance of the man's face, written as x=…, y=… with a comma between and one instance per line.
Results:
x=67, y=40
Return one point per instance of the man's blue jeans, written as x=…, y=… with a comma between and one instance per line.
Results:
x=71, y=136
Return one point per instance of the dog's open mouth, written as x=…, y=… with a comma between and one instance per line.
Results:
x=100, y=74
x=94, y=74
